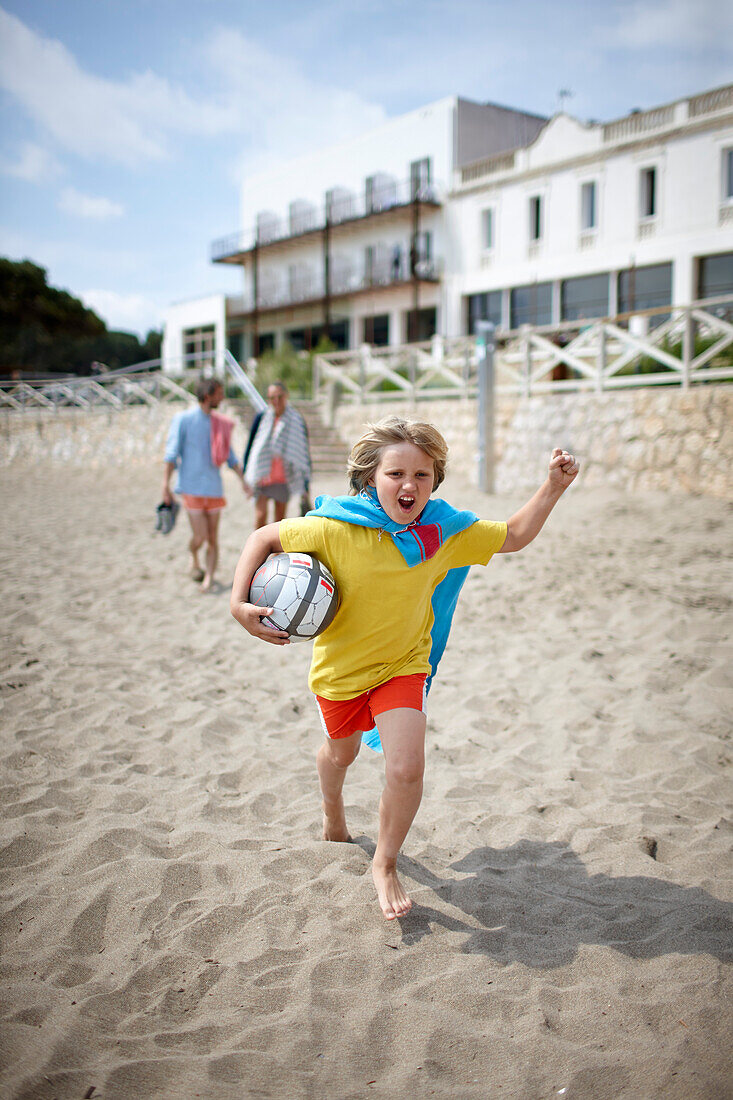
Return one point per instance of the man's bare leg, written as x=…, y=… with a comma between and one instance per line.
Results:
x=212, y=548
x=402, y=733
x=198, y=538
x=333, y=759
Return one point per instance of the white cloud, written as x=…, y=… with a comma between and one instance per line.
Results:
x=34, y=164
x=124, y=121
x=280, y=111
x=263, y=97
x=685, y=24
x=95, y=207
x=124, y=312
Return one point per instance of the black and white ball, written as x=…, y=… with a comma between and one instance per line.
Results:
x=301, y=591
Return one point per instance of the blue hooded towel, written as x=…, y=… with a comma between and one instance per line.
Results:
x=417, y=543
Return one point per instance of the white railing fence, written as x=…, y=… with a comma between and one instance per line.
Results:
x=141, y=384
x=679, y=345
x=672, y=345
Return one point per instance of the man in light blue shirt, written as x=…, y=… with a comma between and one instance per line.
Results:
x=199, y=483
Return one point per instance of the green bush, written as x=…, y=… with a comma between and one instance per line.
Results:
x=647, y=365
x=294, y=368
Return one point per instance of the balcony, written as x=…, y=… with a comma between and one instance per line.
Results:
x=308, y=288
x=343, y=210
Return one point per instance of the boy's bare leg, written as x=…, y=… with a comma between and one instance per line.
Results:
x=402, y=733
x=212, y=548
x=333, y=758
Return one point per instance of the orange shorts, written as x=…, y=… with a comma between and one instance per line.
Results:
x=202, y=504
x=342, y=717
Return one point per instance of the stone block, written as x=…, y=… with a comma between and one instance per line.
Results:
x=653, y=426
x=693, y=443
x=634, y=456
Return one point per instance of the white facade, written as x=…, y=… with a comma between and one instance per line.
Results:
x=643, y=204
x=196, y=327
x=405, y=230
x=387, y=150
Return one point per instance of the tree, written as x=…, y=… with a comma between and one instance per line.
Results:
x=48, y=331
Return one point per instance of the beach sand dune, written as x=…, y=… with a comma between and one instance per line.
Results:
x=173, y=925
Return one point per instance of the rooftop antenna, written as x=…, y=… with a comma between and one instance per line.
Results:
x=562, y=95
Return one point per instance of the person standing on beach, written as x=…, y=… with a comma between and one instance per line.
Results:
x=199, y=442
x=277, y=461
x=399, y=559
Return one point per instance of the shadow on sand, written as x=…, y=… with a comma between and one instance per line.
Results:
x=536, y=904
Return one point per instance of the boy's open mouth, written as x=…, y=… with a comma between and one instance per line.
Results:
x=406, y=503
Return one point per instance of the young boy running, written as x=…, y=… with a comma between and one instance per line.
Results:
x=399, y=559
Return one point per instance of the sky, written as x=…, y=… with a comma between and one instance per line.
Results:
x=127, y=126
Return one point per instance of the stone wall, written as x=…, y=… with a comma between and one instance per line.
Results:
x=90, y=437
x=84, y=437
x=643, y=439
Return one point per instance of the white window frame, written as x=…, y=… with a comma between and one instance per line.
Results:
x=538, y=198
x=588, y=230
x=644, y=172
x=488, y=217
x=421, y=177
x=726, y=175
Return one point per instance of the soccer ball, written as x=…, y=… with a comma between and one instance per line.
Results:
x=300, y=590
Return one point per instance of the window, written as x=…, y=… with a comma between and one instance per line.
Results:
x=303, y=339
x=265, y=342
x=531, y=305
x=648, y=193
x=645, y=288
x=728, y=175
x=535, y=218
x=586, y=296
x=484, y=307
x=588, y=216
x=715, y=277
x=487, y=228
x=300, y=339
x=421, y=254
x=200, y=342
x=425, y=245
x=376, y=330
x=420, y=173
x=370, y=186
x=235, y=344
x=421, y=325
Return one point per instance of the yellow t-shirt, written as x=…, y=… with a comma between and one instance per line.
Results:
x=382, y=627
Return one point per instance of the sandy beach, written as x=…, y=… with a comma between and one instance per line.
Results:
x=173, y=925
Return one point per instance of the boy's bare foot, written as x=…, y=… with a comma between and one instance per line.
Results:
x=207, y=583
x=334, y=822
x=392, y=898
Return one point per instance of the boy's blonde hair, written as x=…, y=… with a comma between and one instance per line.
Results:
x=366, y=454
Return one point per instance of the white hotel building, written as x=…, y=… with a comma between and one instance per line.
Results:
x=461, y=211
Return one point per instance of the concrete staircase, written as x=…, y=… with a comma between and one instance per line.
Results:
x=328, y=453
